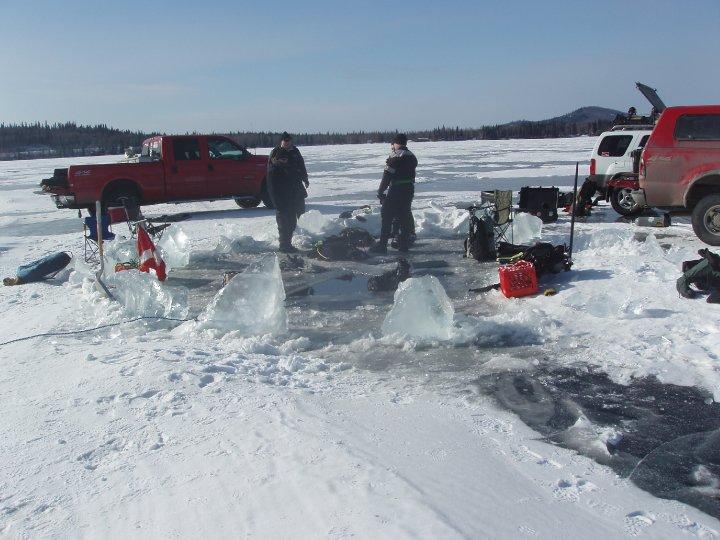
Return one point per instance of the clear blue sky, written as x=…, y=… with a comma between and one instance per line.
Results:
x=315, y=66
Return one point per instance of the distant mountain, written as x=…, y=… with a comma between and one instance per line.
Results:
x=585, y=115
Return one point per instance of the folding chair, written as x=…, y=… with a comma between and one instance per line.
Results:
x=92, y=249
x=154, y=229
x=498, y=204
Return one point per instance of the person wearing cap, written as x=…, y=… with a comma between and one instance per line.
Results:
x=287, y=181
x=399, y=181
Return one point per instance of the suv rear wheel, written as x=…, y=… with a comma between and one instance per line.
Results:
x=623, y=203
x=706, y=219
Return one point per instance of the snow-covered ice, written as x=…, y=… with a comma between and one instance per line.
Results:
x=528, y=421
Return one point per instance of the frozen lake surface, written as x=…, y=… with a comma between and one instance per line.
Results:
x=311, y=416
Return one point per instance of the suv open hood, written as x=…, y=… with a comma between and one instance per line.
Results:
x=651, y=95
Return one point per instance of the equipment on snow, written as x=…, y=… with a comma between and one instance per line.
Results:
x=654, y=221
x=355, y=212
x=480, y=242
x=344, y=246
x=39, y=270
x=546, y=258
x=540, y=201
x=518, y=279
x=703, y=274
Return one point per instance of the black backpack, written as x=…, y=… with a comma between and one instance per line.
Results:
x=480, y=243
x=357, y=237
x=337, y=248
x=548, y=258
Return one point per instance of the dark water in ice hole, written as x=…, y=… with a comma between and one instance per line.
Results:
x=667, y=437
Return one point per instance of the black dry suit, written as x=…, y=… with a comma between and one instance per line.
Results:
x=400, y=173
x=286, y=174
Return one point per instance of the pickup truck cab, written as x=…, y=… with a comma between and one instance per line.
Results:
x=169, y=169
x=680, y=167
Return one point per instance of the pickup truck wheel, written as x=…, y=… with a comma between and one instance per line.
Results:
x=248, y=203
x=623, y=203
x=124, y=198
x=706, y=219
x=265, y=196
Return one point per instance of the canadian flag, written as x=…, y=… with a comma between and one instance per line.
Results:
x=149, y=257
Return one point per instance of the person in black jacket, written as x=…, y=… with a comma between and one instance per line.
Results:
x=399, y=181
x=287, y=180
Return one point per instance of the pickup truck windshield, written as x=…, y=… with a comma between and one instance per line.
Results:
x=224, y=149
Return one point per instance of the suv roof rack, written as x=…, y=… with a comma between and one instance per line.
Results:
x=632, y=127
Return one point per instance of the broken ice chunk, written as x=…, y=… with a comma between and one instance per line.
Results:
x=174, y=248
x=421, y=310
x=252, y=303
x=526, y=228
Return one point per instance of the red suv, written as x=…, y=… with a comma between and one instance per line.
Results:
x=680, y=167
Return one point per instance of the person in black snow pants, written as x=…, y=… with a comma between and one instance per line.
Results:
x=287, y=181
x=399, y=181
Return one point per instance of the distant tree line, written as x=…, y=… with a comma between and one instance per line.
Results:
x=18, y=141
x=68, y=139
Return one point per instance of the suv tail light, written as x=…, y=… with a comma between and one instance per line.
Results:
x=641, y=169
x=592, y=166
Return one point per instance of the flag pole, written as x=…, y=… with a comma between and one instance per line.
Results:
x=572, y=218
x=100, y=286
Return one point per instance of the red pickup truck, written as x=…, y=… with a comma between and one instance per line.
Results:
x=680, y=167
x=169, y=169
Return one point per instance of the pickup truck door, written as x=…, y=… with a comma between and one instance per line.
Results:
x=188, y=171
x=232, y=172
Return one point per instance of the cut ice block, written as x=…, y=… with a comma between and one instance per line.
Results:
x=253, y=302
x=526, y=228
x=421, y=310
x=143, y=295
x=173, y=248
x=314, y=223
